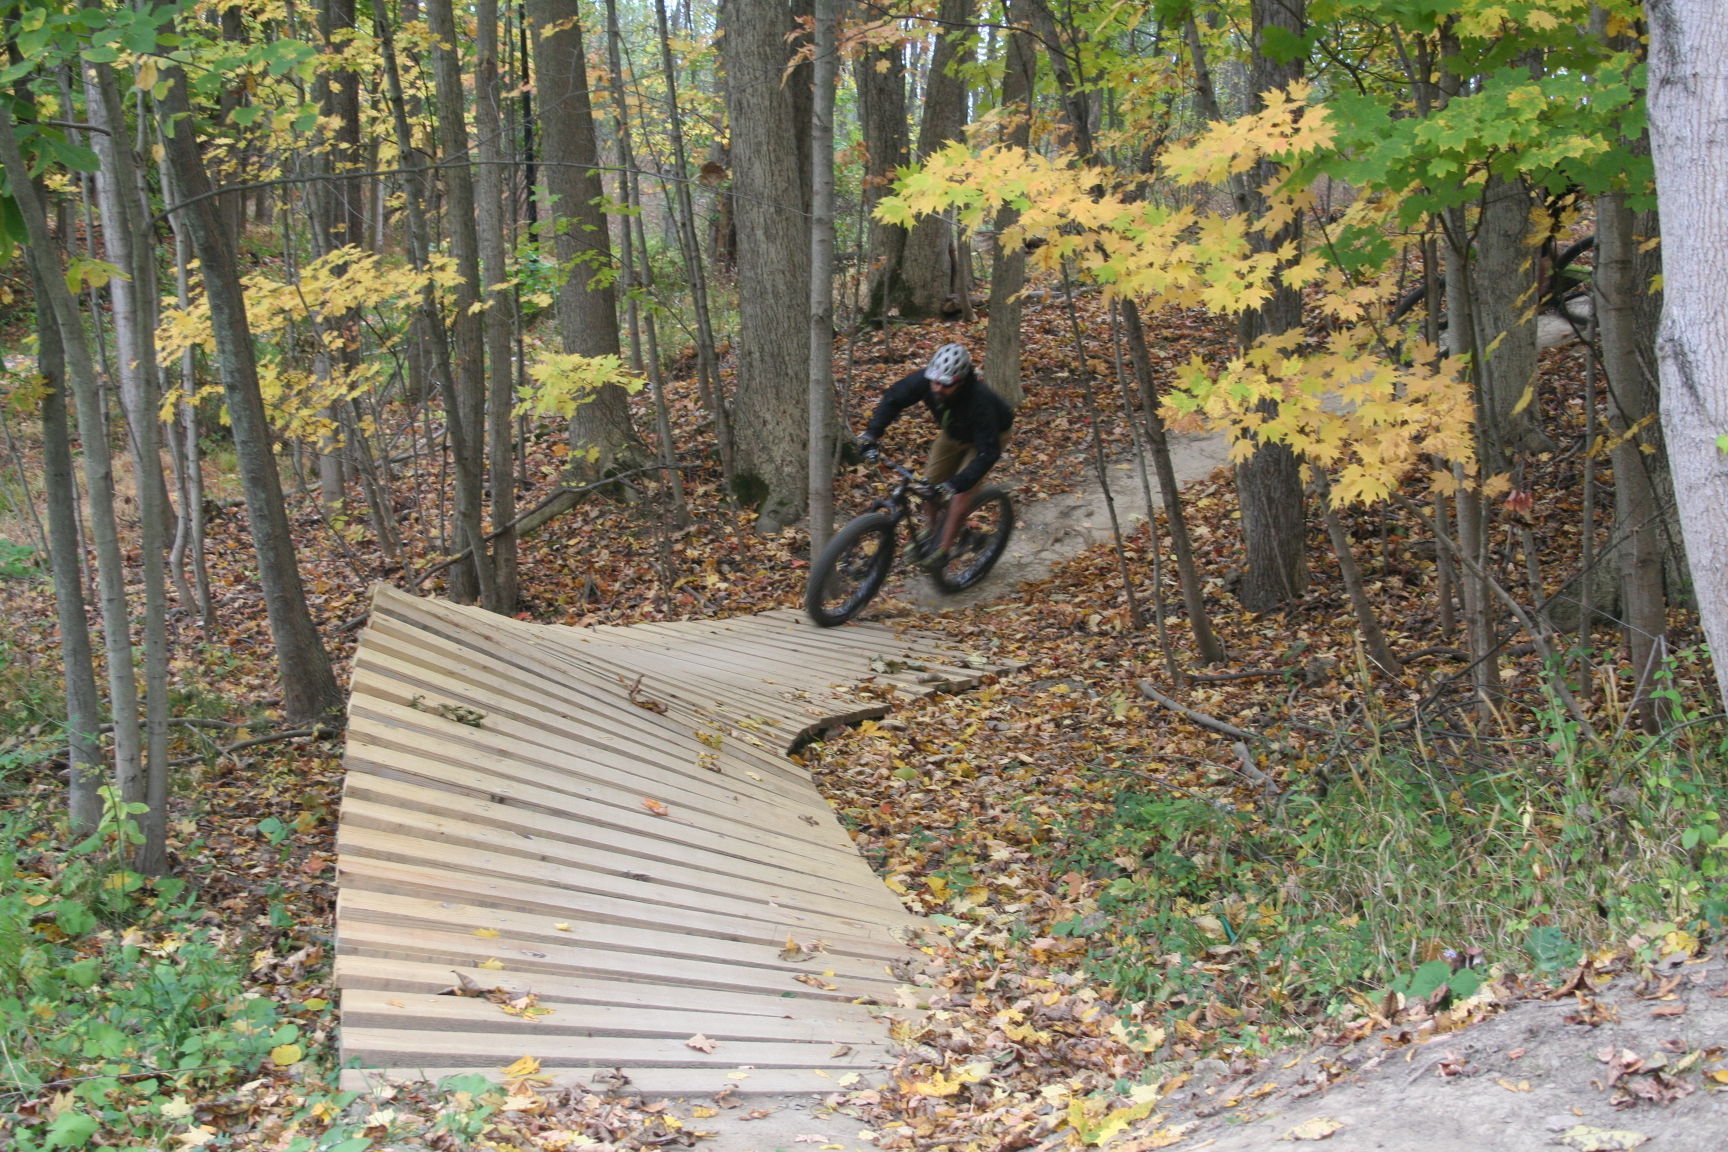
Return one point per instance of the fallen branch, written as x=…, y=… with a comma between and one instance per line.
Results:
x=315, y=732
x=1200, y=718
x=556, y=503
x=1250, y=674
x=1260, y=780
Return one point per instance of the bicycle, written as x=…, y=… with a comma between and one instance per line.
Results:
x=853, y=567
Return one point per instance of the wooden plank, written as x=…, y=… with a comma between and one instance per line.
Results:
x=672, y=1082
x=406, y=1045
x=593, y=719
x=458, y=820
x=370, y=973
x=521, y=932
x=454, y=947
x=578, y=909
x=571, y=779
x=407, y=866
x=402, y=1010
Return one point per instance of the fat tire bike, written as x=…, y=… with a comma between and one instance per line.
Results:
x=854, y=566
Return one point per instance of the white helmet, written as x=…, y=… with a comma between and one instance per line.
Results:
x=949, y=364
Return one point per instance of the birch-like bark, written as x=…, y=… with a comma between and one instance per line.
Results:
x=821, y=493
x=98, y=467
x=124, y=235
x=1688, y=102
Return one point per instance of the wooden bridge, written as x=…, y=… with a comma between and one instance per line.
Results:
x=587, y=846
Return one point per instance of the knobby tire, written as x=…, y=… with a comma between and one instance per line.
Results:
x=848, y=574
x=969, y=565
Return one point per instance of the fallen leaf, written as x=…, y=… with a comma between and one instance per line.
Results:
x=1318, y=1128
x=1513, y=1086
x=701, y=1043
x=488, y=933
x=491, y=963
x=656, y=807
x=285, y=1054
x=1587, y=1139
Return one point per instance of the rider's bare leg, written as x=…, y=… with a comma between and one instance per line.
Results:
x=958, y=505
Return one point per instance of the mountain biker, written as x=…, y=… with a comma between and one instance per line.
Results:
x=972, y=422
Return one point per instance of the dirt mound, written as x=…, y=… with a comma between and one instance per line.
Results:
x=1638, y=1062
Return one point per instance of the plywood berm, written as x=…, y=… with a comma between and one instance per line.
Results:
x=589, y=847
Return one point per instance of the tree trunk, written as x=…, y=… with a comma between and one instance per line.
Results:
x=587, y=312
x=879, y=77
x=1688, y=101
x=930, y=271
x=821, y=374
x=1490, y=259
x=309, y=687
x=124, y=235
x=500, y=299
x=1206, y=642
x=772, y=406
x=1269, y=483
x=98, y=467
x=83, y=704
x=465, y=399
x=707, y=362
x=1008, y=269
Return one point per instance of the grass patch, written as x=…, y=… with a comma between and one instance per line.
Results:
x=1406, y=860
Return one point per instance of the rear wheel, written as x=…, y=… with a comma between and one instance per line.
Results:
x=982, y=540
x=850, y=570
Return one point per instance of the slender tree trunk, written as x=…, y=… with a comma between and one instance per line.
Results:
x=83, y=703
x=189, y=534
x=124, y=236
x=500, y=300
x=1206, y=642
x=98, y=467
x=1008, y=269
x=1367, y=623
x=465, y=403
x=1688, y=101
x=707, y=363
x=309, y=687
x=821, y=374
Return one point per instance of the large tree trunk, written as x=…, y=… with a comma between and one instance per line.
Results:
x=771, y=411
x=929, y=266
x=879, y=76
x=587, y=311
x=309, y=687
x=1688, y=101
x=1269, y=483
x=1008, y=269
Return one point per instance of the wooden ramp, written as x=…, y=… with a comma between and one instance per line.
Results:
x=603, y=823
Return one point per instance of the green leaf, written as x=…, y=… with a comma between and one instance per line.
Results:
x=71, y=1129
x=1722, y=444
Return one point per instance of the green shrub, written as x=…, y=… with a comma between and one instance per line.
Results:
x=115, y=997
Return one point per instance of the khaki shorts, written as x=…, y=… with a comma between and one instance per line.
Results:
x=948, y=456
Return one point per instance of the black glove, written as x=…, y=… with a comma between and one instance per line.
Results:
x=867, y=448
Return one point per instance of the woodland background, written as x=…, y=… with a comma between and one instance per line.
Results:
x=567, y=309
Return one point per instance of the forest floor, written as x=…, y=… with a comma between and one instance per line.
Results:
x=1062, y=1016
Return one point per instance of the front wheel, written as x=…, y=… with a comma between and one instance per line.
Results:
x=982, y=540
x=850, y=570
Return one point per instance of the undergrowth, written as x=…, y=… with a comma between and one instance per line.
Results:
x=1409, y=857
